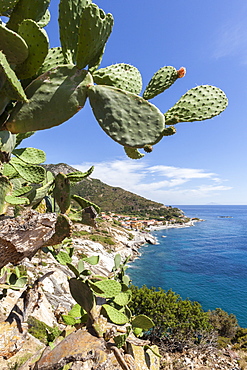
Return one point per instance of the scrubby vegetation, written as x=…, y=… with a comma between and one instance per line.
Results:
x=181, y=324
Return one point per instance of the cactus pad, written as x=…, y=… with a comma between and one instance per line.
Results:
x=45, y=19
x=123, y=298
x=78, y=176
x=6, y=6
x=53, y=59
x=108, y=287
x=127, y=118
x=82, y=294
x=12, y=87
x=61, y=192
x=16, y=200
x=5, y=189
x=133, y=153
x=7, y=143
x=85, y=203
x=115, y=316
x=143, y=322
x=30, y=173
x=38, y=43
x=30, y=155
x=26, y=9
x=160, y=81
x=170, y=130
x=70, y=12
x=123, y=76
x=200, y=103
x=95, y=28
x=64, y=86
x=13, y=45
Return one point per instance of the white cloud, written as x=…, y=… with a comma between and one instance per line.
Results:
x=231, y=37
x=165, y=184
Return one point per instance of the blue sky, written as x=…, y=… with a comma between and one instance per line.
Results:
x=204, y=161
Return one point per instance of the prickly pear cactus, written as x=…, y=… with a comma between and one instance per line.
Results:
x=5, y=189
x=95, y=29
x=123, y=76
x=7, y=144
x=30, y=155
x=133, y=153
x=200, y=103
x=61, y=192
x=38, y=43
x=6, y=6
x=70, y=12
x=64, y=86
x=160, y=81
x=26, y=9
x=12, y=87
x=127, y=118
x=12, y=45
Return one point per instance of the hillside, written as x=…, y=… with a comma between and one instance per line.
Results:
x=115, y=199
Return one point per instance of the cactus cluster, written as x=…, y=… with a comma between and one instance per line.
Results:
x=24, y=182
x=114, y=294
x=35, y=80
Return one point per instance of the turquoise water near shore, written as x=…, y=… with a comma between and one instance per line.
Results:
x=205, y=263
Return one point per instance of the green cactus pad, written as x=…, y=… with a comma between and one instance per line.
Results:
x=70, y=12
x=133, y=153
x=95, y=28
x=37, y=194
x=117, y=261
x=61, y=192
x=7, y=143
x=160, y=81
x=82, y=294
x=110, y=288
x=30, y=173
x=6, y=6
x=12, y=87
x=16, y=200
x=127, y=118
x=200, y=103
x=5, y=189
x=168, y=131
x=45, y=19
x=9, y=171
x=115, y=316
x=93, y=260
x=123, y=76
x=143, y=322
x=20, y=137
x=123, y=298
x=95, y=62
x=63, y=258
x=26, y=9
x=64, y=86
x=38, y=44
x=30, y=155
x=53, y=59
x=21, y=191
x=13, y=45
x=78, y=176
x=84, y=203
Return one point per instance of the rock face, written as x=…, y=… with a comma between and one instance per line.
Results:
x=49, y=298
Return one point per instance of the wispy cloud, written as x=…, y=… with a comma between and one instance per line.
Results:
x=231, y=37
x=166, y=184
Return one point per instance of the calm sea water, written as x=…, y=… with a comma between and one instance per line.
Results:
x=206, y=263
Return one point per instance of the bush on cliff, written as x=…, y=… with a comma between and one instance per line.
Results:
x=178, y=323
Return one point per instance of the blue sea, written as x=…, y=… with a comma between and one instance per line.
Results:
x=205, y=263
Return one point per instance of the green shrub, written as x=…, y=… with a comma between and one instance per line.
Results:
x=178, y=322
x=225, y=324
